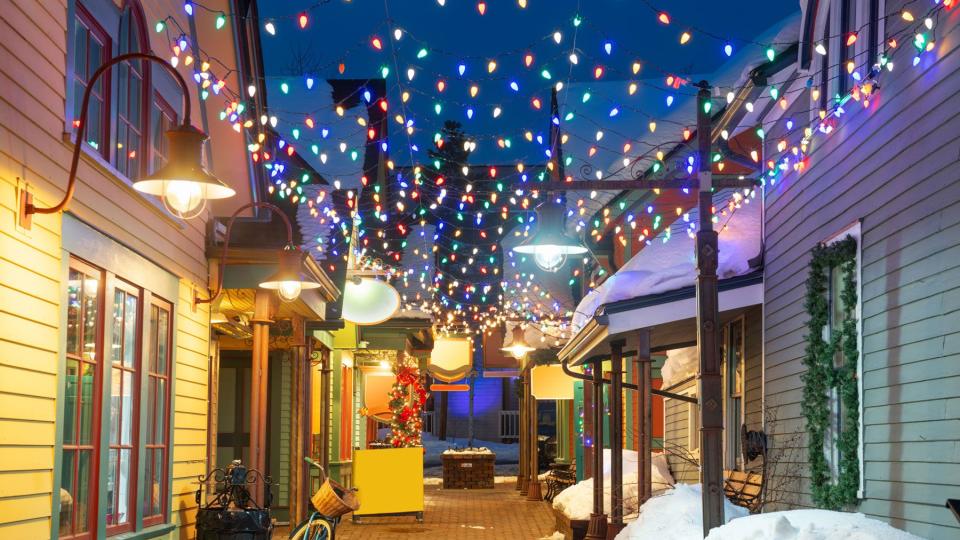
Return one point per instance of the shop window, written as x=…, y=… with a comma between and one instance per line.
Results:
x=157, y=404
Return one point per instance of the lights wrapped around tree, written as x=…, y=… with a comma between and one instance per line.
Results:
x=406, y=402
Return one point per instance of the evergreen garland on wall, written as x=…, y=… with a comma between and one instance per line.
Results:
x=821, y=376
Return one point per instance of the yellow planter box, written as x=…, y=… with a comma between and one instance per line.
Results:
x=389, y=481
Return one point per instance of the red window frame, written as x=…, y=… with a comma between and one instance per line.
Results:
x=75, y=445
x=115, y=440
x=94, y=32
x=129, y=162
x=165, y=116
x=158, y=371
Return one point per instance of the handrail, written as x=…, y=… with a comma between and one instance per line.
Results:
x=630, y=386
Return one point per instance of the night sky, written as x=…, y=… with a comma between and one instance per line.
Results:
x=339, y=31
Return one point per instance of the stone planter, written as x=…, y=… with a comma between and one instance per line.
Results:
x=467, y=470
x=572, y=529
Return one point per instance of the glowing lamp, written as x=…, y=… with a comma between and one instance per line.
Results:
x=289, y=280
x=369, y=301
x=518, y=347
x=183, y=183
x=550, y=245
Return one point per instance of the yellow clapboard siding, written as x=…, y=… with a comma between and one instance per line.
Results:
x=190, y=405
x=24, y=279
x=184, y=420
x=17, y=354
x=187, y=372
x=192, y=358
x=192, y=389
x=17, y=483
x=24, y=432
x=28, y=507
x=35, y=309
x=25, y=458
x=189, y=470
x=33, y=251
x=189, y=436
x=34, y=528
x=14, y=380
x=27, y=407
x=192, y=344
x=184, y=452
x=13, y=328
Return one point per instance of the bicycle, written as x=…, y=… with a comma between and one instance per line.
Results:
x=331, y=502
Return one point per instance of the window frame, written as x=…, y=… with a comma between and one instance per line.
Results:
x=92, y=507
x=164, y=110
x=93, y=25
x=693, y=419
x=832, y=454
x=154, y=301
x=732, y=452
x=137, y=21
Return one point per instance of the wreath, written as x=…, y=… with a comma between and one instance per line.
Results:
x=407, y=397
x=821, y=376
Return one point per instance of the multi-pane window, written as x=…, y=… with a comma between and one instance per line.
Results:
x=118, y=376
x=91, y=49
x=124, y=361
x=733, y=356
x=162, y=120
x=130, y=100
x=81, y=434
x=157, y=404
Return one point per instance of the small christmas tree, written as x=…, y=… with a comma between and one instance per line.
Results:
x=406, y=401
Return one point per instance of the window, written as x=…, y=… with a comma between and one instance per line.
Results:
x=162, y=120
x=124, y=361
x=731, y=346
x=91, y=49
x=81, y=426
x=157, y=442
x=110, y=353
x=129, y=111
x=693, y=425
x=131, y=97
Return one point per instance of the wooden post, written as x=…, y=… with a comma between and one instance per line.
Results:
x=523, y=432
x=533, y=469
x=587, y=430
x=325, y=371
x=264, y=302
x=616, y=435
x=711, y=391
x=444, y=396
x=644, y=416
x=597, y=528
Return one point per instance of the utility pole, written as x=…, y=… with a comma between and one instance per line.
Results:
x=710, y=391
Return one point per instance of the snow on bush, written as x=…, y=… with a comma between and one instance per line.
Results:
x=676, y=514
x=576, y=502
x=808, y=525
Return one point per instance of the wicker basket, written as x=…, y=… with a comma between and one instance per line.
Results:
x=334, y=500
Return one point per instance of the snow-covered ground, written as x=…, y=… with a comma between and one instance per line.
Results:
x=676, y=514
x=808, y=525
x=508, y=455
x=576, y=502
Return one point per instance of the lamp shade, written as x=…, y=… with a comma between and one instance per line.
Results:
x=183, y=182
x=551, y=239
x=518, y=345
x=289, y=280
x=369, y=301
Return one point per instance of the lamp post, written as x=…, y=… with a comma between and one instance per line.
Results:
x=183, y=183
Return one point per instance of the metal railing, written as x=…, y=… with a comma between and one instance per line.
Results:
x=509, y=425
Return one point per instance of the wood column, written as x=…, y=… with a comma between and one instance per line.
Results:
x=616, y=435
x=644, y=416
x=444, y=404
x=587, y=429
x=710, y=391
x=264, y=305
x=597, y=528
x=325, y=371
x=533, y=469
x=524, y=435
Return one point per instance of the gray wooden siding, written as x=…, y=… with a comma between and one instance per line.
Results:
x=894, y=167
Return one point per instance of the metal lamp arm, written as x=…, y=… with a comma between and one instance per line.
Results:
x=81, y=132
x=214, y=293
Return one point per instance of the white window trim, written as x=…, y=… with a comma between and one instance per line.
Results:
x=854, y=230
x=730, y=460
x=693, y=412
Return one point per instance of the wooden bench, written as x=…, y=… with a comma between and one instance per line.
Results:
x=560, y=477
x=743, y=488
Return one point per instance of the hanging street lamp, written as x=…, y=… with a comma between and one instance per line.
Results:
x=518, y=347
x=183, y=183
x=367, y=300
x=551, y=244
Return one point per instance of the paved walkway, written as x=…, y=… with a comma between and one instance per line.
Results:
x=499, y=513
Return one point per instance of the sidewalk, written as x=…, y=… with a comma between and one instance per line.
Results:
x=499, y=513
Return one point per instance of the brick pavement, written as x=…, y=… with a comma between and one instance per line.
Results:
x=499, y=513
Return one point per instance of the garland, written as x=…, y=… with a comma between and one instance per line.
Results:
x=821, y=376
x=406, y=401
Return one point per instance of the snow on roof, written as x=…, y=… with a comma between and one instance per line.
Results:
x=680, y=364
x=668, y=261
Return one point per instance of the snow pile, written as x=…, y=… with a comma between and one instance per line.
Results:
x=668, y=262
x=808, y=525
x=677, y=514
x=680, y=364
x=576, y=502
x=483, y=450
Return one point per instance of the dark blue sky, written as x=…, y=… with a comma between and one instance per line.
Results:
x=340, y=31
